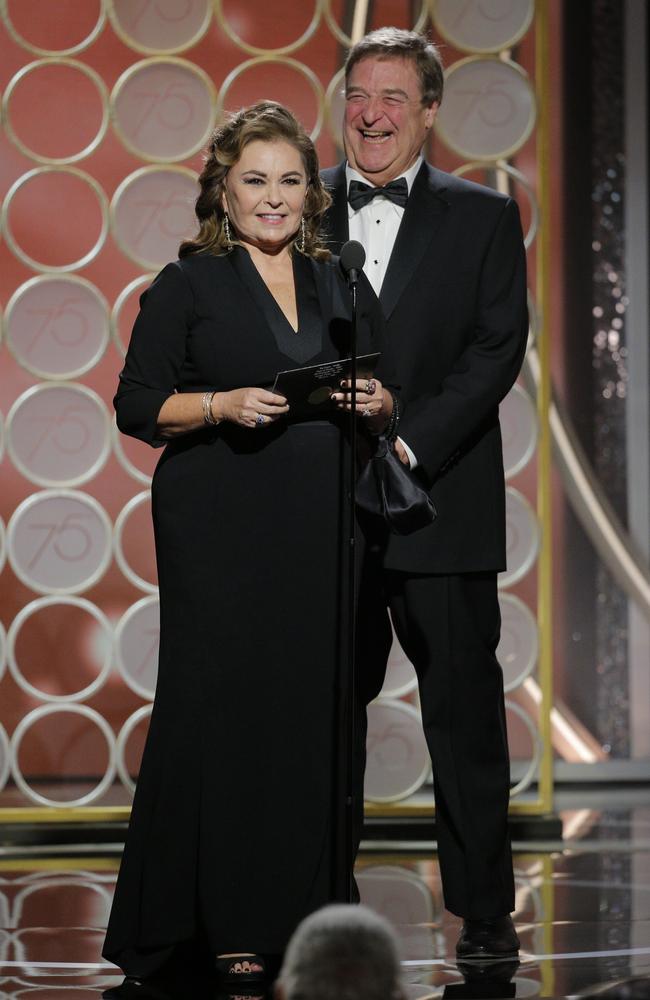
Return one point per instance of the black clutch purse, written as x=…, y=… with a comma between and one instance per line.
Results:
x=387, y=488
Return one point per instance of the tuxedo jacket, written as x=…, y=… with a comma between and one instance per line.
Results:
x=454, y=300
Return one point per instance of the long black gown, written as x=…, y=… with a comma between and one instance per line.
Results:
x=230, y=837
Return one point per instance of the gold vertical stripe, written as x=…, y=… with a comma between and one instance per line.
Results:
x=545, y=566
x=359, y=20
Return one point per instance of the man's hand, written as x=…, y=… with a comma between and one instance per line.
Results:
x=401, y=453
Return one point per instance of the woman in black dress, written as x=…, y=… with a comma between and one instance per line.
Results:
x=230, y=840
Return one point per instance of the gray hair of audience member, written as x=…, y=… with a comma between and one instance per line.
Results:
x=386, y=43
x=342, y=952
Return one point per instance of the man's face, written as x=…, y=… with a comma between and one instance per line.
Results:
x=385, y=121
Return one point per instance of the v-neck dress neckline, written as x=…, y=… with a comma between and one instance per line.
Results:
x=305, y=343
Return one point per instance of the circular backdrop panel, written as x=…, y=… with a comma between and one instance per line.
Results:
x=58, y=434
x=33, y=721
x=57, y=327
x=152, y=211
x=164, y=109
x=522, y=538
x=5, y=757
x=518, y=420
x=46, y=92
x=397, y=755
x=35, y=643
x=522, y=730
x=519, y=643
x=125, y=309
x=59, y=541
x=134, y=535
x=3, y=650
x=489, y=108
x=400, y=673
x=62, y=241
x=483, y=25
x=156, y=26
x=63, y=28
x=136, y=646
x=282, y=79
x=124, y=750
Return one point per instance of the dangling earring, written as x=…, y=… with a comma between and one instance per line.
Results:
x=303, y=235
x=226, y=227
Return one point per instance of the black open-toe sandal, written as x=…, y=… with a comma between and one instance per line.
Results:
x=227, y=969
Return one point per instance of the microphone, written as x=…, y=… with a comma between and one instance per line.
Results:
x=353, y=257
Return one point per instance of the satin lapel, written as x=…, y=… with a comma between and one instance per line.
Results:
x=424, y=212
x=337, y=230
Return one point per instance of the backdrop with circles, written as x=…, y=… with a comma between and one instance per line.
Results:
x=106, y=106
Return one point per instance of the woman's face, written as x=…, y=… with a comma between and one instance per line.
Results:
x=265, y=194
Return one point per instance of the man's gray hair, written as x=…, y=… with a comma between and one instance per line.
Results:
x=342, y=952
x=387, y=43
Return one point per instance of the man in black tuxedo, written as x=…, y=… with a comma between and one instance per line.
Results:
x=446, y=258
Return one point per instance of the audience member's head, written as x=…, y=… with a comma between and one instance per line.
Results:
x=341, y=953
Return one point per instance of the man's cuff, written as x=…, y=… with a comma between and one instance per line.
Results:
x=413, y=462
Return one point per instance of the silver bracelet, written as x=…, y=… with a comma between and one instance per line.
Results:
x=206, y=403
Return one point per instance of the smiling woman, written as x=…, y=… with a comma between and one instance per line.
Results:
x=245, y=503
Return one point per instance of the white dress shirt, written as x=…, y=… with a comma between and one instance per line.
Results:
x=375, y=226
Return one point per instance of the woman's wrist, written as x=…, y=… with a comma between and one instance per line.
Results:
x=217, y=407
x=212, y=412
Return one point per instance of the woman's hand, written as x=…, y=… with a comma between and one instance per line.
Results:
x=250, y=407
x=374, y=403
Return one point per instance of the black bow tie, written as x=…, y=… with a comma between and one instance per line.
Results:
x=362, y=194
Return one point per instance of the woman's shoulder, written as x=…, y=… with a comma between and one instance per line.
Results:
x=198, y=263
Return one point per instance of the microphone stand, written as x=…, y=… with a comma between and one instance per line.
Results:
x=350, y=699
x=352, y=260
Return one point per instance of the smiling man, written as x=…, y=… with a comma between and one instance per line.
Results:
x=446, y=258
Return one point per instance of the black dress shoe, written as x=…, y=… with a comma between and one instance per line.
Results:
x=488, y=939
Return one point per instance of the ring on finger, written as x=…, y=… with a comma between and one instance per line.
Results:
x=366, y=412
x=260, y=419
x=371, y=387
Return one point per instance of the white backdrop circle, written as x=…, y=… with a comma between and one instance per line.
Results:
x=137, y=637
x=120, y=556
x=43, y=711
x=151, y=211
x=519, y=430
x=5, y=757
x=489, y=109
x=58, y=434
x=398, y=761
x=122, y=740
x=522, y=538
x=57, y=326
x=59, y=541
x=3, y=650
x=531, y=770
x=33, y=608
x=400, y=678
x=483, y=25
x=164, y=108
x=518, y=647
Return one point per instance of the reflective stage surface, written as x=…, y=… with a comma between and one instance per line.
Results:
x=583, y=916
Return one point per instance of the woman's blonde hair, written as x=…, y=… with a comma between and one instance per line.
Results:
x=265, y=121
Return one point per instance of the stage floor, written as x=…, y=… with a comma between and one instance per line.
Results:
x=583, y=915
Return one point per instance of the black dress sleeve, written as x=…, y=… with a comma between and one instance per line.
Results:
x=155, y=356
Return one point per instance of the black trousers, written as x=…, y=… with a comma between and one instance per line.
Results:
x=449, y=628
